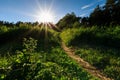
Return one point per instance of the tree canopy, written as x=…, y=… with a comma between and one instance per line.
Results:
x=107, y=15
x=68, y=20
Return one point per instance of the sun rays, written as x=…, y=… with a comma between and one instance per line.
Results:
x=45, y=17
x=45, y=13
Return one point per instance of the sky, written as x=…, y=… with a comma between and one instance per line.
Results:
x=29, y=10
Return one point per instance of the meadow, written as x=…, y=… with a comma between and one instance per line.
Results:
x=27, y=54
x=35, y=53
x=98, y=46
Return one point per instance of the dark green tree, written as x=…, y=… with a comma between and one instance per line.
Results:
x=67, y=21
x=116, y=12
x=85, y=21
x=106, y=15
x=96, y=16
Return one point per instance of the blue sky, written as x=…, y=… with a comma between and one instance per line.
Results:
x=25, y=10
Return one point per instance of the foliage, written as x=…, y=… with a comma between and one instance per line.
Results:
x=68, y=35
x=29, y=65
x=107, y=14
x=29, y=44
x=41, y=57
x=92, y=35
x=12, y=39
x=103, y=59
x=98, y=46
x=68, y=21
x=3, y=29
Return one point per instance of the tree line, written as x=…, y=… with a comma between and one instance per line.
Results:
x=107, y=15
x=18, y=24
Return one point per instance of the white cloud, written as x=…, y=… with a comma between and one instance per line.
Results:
x=102, y=4
x=83, y=15
x=87, y=6
x=86, y=12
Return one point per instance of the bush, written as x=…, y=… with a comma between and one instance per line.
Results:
x=52, y=65
x=95, y=36
x=29, y=44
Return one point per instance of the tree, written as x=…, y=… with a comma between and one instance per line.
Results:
x=1, y=23
x=85, y=21
x=96, y=17
x=116, y=13
x=106, y=15
x=67, y=21
x=76, y=24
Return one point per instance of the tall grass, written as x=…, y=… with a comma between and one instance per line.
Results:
x=52, y=65
x=98, y=46
x=92, y=35
x=12, y=39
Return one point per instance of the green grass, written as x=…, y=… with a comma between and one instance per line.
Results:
x=108, y=37
x=105, y=60
x=12, y=39
x=55, y=65
x=98, y=46
x=44, y=61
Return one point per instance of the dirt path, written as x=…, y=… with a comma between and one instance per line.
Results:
x=89, y=68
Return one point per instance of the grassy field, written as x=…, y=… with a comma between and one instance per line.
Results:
x=98, y=46
x=30, y=54
x=36, y=53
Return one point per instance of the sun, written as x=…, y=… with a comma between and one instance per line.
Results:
x=44, y=13
x=45, y=16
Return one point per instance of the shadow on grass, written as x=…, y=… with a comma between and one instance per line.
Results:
x=12, y=40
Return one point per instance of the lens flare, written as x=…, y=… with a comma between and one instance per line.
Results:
x=45, y=17
x=45, y=14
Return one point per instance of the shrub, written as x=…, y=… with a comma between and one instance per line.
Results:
x=29, y=44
